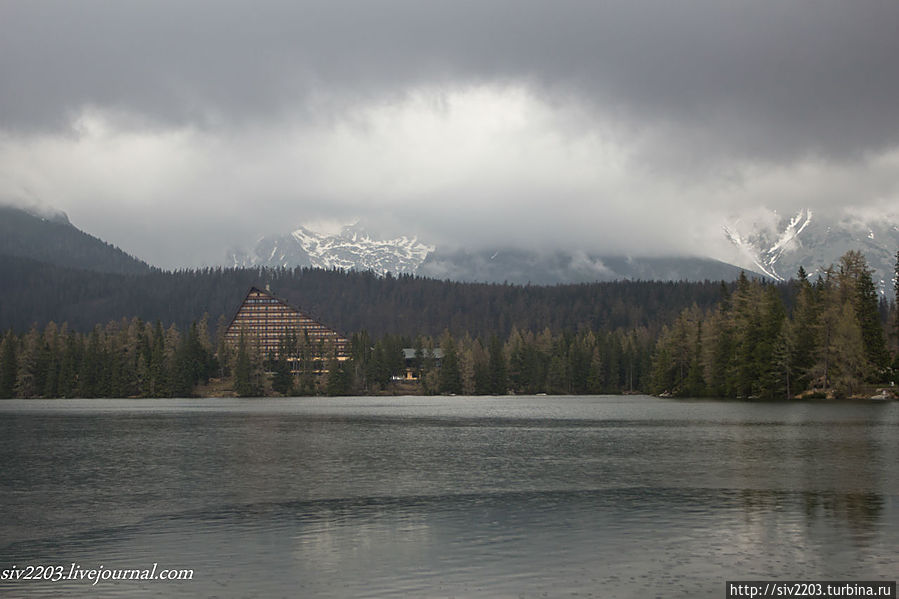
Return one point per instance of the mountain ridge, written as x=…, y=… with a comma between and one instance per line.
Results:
x=814, y=242
x=49, y=237
x=353, y=248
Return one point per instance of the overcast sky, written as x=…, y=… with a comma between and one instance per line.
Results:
x=177, y=129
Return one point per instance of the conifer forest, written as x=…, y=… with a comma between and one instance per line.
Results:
x=833, y=335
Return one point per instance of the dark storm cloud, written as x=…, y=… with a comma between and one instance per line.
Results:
x=632, y=126
x=766, y=79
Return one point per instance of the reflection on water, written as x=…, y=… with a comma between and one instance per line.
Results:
x=597, y=496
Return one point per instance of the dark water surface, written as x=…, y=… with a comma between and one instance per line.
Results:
x=448, y=497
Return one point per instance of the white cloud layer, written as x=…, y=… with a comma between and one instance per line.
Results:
x=177, y=131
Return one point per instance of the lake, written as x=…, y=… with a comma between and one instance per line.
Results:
x=599, y=496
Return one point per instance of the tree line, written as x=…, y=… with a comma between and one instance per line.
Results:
x=121, y=359
x=757, y=339
x=828, y=339
x=35, y=293
x=131, y=358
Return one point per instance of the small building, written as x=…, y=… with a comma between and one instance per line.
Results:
x=266, y=321
x=413, y=361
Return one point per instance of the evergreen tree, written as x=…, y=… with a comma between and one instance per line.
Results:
x=339, y=380
x=224, y=352
x=244, y=383
x=557, y=381
x=868, y=314
x=851, y=365
x=481, y=383
x=785, y=351
x=803, y=331
x=90, y=378
x=579, y=359
x=449, y=377
x=8, y=366
x=499, y=384
x=770, y=380
x=282, y=381
x=28, y=382
x=694, y=386
x=159, y=380
x=747, y=328
x=720, y=354
x=70, y=366
x=360, y=354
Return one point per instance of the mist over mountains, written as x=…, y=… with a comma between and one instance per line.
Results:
x=46, y=235
x=355, y=248
x=778, y=245
x=771, y=245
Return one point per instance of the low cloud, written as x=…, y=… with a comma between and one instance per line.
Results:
x=485, y=166
x=179, y=130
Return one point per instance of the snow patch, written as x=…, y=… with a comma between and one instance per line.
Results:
x=763, y=253
x=351, y=248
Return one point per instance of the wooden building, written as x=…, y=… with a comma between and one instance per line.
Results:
x=265, y=320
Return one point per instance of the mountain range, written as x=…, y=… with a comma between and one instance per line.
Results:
x=773, y=247
x=354, y=248
x=53, y=271
x=778, y=247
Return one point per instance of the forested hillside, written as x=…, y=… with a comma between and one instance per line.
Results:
x=749, y=339
x=832, y=342
x=34, y=293
x=54, y=240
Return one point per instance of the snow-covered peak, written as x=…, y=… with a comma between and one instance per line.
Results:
x=778, y=247
x=352, y=248
x=763, y=248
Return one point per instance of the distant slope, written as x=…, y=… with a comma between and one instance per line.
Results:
x=522, y=267
x=353, y=248
x=36, y=293
x=814, y=242
x=54, y=240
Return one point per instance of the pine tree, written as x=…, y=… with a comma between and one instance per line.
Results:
x=868, y=313
x=449, y=378
x=224, y=352
x=579, y=357
x=851, y=364
x=282, y=381
x=8, y=366
x=803, y=332
x=28, y=384
x=339, y=378
x=557, y=380
x=720, y=355
x=70, y=365
x=90, y=378
x=694, y=386
x=360, y=353
x=769, y=367
x=243, y=383
x=785, y=361
x=159, y=383
x=481, y=381
x=499, y=383
x=857, y=288
x=747, y=327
